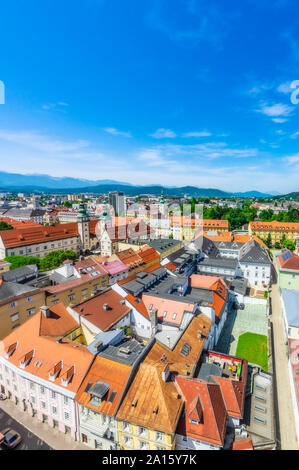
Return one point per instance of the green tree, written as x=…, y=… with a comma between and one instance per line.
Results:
x=5, y=226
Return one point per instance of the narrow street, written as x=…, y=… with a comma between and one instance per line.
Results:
x=287, y=431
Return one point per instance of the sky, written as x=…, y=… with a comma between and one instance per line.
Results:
x=171, y=92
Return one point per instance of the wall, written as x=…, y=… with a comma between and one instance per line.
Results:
x=21, y=307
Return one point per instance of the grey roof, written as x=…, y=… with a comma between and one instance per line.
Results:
x=239, y=285
x=228, y=245
x=253, y=252
x=205, y=245
x=132, y=286
x=15, y=212
x=163, y=244
x=126, y=352
x=207, y=371
x=8, y=290
x=21, y=274
x=291, y=302
x=219, y=262
x=99, y=389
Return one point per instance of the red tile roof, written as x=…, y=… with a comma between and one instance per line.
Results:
x=38, y=234
x=243, y=444
x=93, y=309
x=292, y=262
x=274, y=225
x=111, y=372
x=205, y=415
x=45, y=352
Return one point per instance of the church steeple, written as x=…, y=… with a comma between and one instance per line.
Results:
x=83, y=227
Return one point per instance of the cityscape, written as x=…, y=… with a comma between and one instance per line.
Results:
x=149, y=272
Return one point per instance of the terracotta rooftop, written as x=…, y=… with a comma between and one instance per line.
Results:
x=288, y=260
x=153, y=402
x=205, y=415
x=130, y=258
x=95, y=312
x=274, y=225
x=46, y=353
x=113, y=373
x=242, y=444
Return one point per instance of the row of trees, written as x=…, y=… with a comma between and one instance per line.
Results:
x=50, y=261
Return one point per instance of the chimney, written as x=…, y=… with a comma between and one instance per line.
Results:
x=153, y=314
x=45, y=311
x=165, y=373
x=106, y=307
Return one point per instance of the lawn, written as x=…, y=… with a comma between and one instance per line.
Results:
x=254, y=348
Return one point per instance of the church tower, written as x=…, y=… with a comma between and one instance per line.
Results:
x=83, y=228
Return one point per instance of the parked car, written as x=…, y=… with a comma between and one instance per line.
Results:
x=11, y=438
x=1, y=440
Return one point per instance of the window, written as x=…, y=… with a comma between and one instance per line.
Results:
x=65, y=400
x=142, y=445
x=66, y=416
x=53, y=394
x=260, y=408
x=29, y=299
x=13, y=304
x=142, y=431
x=84, y=438
x=174, y=316
x=71, y=297
x=98, y=444
x=259, y=420
x=14, y=317
x=126, y=426
x=54, y=410
x=31, y=386
x=258, y=397
x=32, y=399
x=30, y=311
x=43, y=403
x=159, y=436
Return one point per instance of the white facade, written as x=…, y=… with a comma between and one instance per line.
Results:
x=256, y=274
x=47, y=401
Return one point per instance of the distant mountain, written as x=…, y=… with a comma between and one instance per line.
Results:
x=294, y=196
x=252, y=194
x=16, y=180
x=45, y=183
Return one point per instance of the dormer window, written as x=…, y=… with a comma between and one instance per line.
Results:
x=55, y=371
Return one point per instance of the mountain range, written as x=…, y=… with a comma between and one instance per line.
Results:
x=47, y=183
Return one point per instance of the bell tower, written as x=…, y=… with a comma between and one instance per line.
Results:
x=83, y=228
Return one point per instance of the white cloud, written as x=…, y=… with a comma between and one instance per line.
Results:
x=197, y=134
x=277, y=109
x=41, y=142
x=114, y=131
x=54, y=105
x=292, y=158
x=163, y=133
x=284, y=88
x=295, y=135
x=279, y=120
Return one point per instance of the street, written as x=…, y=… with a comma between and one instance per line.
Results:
x=285, y=418
x=30, y=441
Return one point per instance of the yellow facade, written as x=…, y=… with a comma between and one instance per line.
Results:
x=74, y=295
x=16, y=310
x=131, y=436
x=276, y=235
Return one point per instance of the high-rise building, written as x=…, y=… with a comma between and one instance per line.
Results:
x=117, y=200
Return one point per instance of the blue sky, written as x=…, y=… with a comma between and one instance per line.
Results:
x=171, y=92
